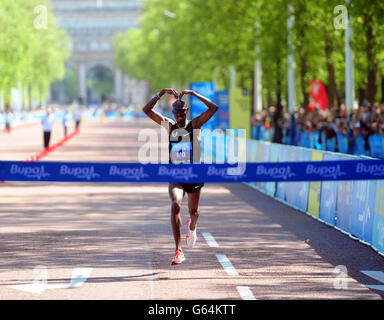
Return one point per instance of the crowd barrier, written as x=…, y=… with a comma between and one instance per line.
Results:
x=354, y=207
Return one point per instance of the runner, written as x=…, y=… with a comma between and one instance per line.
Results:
x=182, y=149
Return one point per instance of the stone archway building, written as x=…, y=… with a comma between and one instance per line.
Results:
x=92, y=24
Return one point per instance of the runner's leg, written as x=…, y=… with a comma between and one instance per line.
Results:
x=176, y=193
x=193, y=206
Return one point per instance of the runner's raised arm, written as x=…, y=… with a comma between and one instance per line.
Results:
x=154, y=115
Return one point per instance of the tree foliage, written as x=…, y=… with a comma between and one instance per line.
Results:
x=32, y=48
x=183, y=41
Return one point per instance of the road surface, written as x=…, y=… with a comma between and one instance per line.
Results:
x=113, y=241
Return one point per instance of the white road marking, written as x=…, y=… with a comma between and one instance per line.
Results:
x=227, y=265
x=31, y=287
x=245, y=293
x=373, y=286
x=210, y=239
x=78, y=278
x=377, y=275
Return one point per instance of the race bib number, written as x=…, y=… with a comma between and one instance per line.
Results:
x=181, y=152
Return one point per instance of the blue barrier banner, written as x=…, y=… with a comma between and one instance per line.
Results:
x=260, y=158
x=302, y=199
x=281, y=186
x=344, y=203
x=273, y=157
x=291, y=188
x=190, y=173
x=251, y=150
x=378, y=220
x=222, y=116
x=328, y=196
x=197, y=107
x=363, y=208
x=267, y=148
x=297, y=193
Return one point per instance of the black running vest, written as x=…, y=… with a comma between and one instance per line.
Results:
x=184, y=144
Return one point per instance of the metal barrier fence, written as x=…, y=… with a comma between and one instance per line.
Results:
x=355, y=208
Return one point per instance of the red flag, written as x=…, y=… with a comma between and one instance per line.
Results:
x=311, y=106
x=318, y=93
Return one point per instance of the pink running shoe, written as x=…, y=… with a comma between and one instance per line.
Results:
x=178, y=258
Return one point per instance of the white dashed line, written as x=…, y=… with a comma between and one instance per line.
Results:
x=210, y=239
x=245, y=293
x=227, y=265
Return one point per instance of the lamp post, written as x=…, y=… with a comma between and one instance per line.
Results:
x=257, y=86
x=291, y=62
x=349, y=67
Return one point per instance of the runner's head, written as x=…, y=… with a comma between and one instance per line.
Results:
x=180, y=110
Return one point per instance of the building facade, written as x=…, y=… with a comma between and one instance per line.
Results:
x=92, y=25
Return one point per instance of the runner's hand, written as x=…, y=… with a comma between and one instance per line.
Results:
x=188, y=92
x=170, y=91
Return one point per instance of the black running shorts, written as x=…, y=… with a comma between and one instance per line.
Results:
x=188, y=187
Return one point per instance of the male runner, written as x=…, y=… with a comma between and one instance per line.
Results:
x=184, y=147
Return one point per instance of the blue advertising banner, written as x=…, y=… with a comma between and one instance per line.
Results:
x=378, y=220
x=273, y=157
x=297, y=192
x=291, y=190
x=344, y=203
x=267, y=149
x=328, y=195
x=281, y=186
x=207, y=90
x=222, y=115
x=296, y=171
x=363, y=208
x=252, y=150
x=262, y=149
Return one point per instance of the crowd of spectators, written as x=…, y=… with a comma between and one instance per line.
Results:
x=360, y=132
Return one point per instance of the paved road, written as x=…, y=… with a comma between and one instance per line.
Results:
x=113, y=241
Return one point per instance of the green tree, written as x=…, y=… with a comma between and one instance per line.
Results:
x=31, y=55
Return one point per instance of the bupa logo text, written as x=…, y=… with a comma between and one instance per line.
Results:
x=129, y=173
x=325, y=171
x=177, y=173
x=87, y=173
x=372, y=169
x=275, y=172
x=227, y=173
x=35, y=172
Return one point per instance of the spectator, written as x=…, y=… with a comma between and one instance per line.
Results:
x=47, y=123
x=357, y=132
x=65, y=122
x=8, y=117
x=77, y=118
